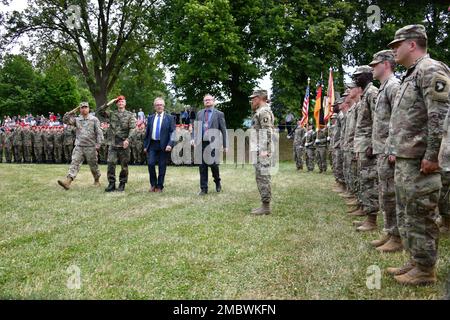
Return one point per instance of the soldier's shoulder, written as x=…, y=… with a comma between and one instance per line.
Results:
x=433, y=73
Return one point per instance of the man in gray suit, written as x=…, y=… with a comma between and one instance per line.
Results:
x=208, y=127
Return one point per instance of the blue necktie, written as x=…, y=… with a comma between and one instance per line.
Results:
x=157, y=127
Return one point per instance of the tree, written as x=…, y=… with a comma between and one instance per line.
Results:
x=100, y=40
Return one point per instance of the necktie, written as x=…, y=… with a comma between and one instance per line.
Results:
x=157, y=127
x=207, y=119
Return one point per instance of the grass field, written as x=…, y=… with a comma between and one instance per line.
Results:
x=175, y=245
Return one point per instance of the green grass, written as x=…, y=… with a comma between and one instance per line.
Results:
x=176, y=245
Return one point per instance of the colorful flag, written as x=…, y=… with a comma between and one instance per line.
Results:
x=305, y=108
x=330, y=98
x=318, y=106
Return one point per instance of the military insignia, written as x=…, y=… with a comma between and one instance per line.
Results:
x=440, y=86
x=265, y=120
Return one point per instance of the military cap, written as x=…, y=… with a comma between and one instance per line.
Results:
x=351, y=85
x=259, y=93
x=380, y=56
x=120, y=98
x=84, y=104
x=362, y=69
x=412, y=31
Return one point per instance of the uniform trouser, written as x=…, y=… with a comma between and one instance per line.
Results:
x=8, y=154
x=38, y=153
x=368, y=183
x=49, y=153
x=263, y=180
x=18, y=154
x=78, y=156
x=444, y=195
x=58, y=154
x=321, y=158
x=68, y=149
x=136, y=155
x=121, y=155
x=338, y=165
x=417, y=197
x=27, y=153
x=387, y=193
x=351, y=172
x=298, y=156
x=1, y=154
x=310, y=158
x=102, y=153
x=330, y=156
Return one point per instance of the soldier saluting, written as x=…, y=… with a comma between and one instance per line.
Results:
x=122, y=123
x=89, y=136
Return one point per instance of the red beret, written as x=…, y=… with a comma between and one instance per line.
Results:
x=120, y=98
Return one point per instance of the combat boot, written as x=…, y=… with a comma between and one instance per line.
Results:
x=66, y=183
x=264, y=209
x=394, y=244
x=353, y=208
x=418, y=276
x=97, y=182
x=369, y=224
x=348, y=195
x=357, y=223
x=111, y=187
x=380, y=242
x=351, y=202
x=357, y=213
x=401, y=270
x=445, y=225
x=121, y=187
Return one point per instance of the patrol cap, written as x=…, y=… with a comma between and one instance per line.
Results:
x=412, y=31
x=351, y=85
x=380, y=56
x=362, y=69
x=259, y=93
x=84, y=104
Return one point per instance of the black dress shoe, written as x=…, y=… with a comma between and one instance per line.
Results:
x=202, y=193
x=218, y=187
x=121, y=187
x=111, y=187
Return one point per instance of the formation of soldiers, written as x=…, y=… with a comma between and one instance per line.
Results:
x=390, y=150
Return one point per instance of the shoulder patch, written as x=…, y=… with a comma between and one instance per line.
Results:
x=440, y=88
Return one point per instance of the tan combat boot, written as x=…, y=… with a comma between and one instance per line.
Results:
x=369, y=224
x=357, y=213
x=97, y=182
x=264, y=209
x=357, y=223
x=351, y=202
x=66, y=183
x=401, y=270
x=418, y=276
x=394, y=244
x=445, y=225
x=380, y=242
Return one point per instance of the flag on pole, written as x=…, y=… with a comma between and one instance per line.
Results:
x=318, y=106
x=305, y=108
x=330, y=97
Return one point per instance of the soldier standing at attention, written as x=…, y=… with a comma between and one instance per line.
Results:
x=122, y=123
x=17, y=144
x=89, y=136
x=8, y=145
x=37, y=143
x=27, y=143
x=415, y=133
x=309, y=138
x=48, y=144
x=69, y=139
x=59, y=141
x=263, y=124
x=321, y=149
x=299, y=133
x=383, y=65
x=2, y=143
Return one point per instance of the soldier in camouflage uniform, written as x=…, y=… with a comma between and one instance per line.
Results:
x=320, y=144
x=89, y=136
x=2, y=143
x=18, y=145
x=335, y=145
x=261, y=148
x=444, y=164
x=140, y=136
x=122, y=123
x=48, y=144
x=38, y=144
x=367, y=162
x=415, y=133
x=299, y=133
x=59, y=144
x=103, y=152
x=68, y=142
x=27, y=143
x=8, y=145
x=384, y=64
x=308, y=142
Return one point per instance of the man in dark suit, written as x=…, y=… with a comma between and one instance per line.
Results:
x=158, y=143
x=209, y=126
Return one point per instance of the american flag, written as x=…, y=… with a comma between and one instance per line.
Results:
x=305, y=109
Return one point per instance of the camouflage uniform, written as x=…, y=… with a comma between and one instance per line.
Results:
x=415, y=134
x=263, y=119
x=8, y=146
x=103, y=151
x=69, y=139
x=27, y=144
x=38, y=145
x=444, y=164
x=88, y=139
x=382, y=115
x=48, y=145
x=59, y=143
x=321, y=149
x=309, y=138
x=2, y=143
x=17, y=144
x=299, y=133
x=121, y=126
x=367, y=166
x=350, y=163
x=140, y=145
x=335, y=143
